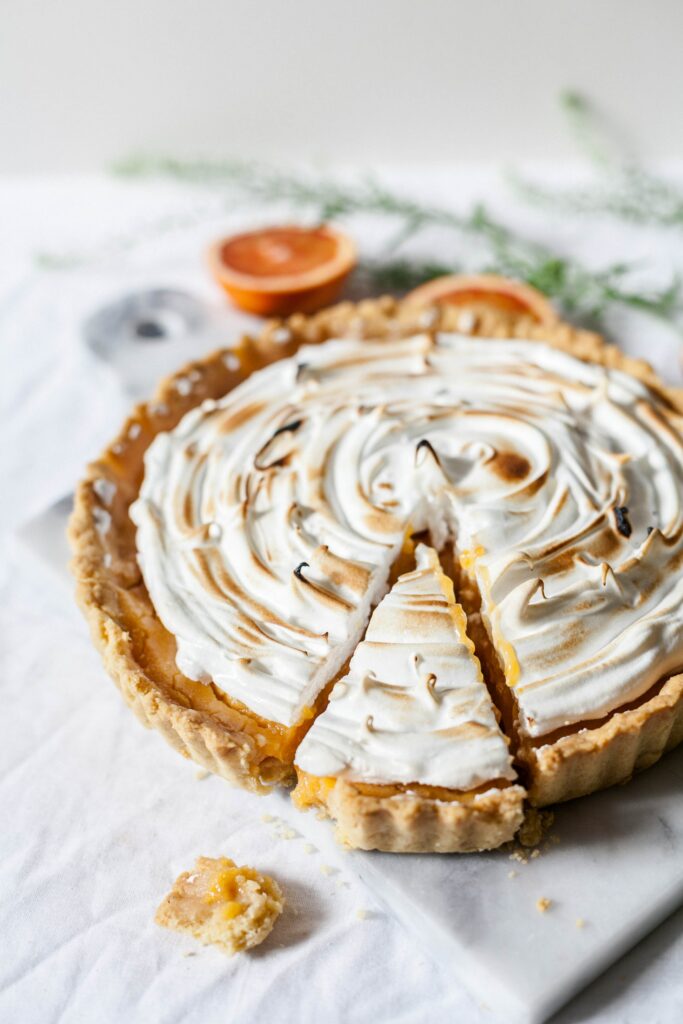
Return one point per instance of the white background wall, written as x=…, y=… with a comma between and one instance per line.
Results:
x=85, y=81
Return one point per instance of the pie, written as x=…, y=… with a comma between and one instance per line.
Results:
x=231, y=544
x=222, y=904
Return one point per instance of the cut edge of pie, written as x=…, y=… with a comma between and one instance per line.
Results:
x=225, y=737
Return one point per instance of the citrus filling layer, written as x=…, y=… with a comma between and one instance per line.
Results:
x=314, y=791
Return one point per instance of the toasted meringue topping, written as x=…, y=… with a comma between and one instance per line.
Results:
x=560, y=480
x=414, y=707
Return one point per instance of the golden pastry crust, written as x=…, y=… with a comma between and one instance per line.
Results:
x=226, y=738
x=592, y=759
x=410, y=822
x=222, y=905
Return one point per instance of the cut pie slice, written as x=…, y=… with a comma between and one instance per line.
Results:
x=408, y=755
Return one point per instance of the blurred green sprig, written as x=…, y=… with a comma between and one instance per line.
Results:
x=623, y=188
x=583, y=292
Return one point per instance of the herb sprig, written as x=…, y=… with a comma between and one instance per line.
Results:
x=583, y=292
x=624, y=190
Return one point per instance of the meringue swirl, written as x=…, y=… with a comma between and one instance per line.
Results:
x=267, y=522
x=414, y=706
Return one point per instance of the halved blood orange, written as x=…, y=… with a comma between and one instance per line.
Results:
x=486, y=291
x=280, y=270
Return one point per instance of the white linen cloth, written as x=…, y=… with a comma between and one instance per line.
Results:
x=98, y=816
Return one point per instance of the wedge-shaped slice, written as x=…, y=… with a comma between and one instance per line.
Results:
x=408, y=754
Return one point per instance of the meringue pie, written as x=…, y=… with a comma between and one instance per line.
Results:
x=232, y=543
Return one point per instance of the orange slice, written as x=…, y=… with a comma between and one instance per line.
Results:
x=282, y=270
x=485, y=292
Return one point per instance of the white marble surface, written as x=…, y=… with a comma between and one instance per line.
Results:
x=100, y=815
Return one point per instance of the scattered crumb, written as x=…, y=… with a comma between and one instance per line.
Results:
x=361, y=914
x=288, y=833
x=532, y=838
x=512, y=874
x=201, y=774
x=543, y=904
x=321, y=816
x=580, y=922
x=535, y=827
x=309, y=848
x=222, y=904
x=325, y=869
x=267, y=818
x=341, y=884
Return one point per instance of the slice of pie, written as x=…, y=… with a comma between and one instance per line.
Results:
x=232, y=542
x=222, y=904
x=408, y=755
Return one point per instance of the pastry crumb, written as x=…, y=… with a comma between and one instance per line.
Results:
x=361, y=914
x=288, y=833
x=267, y=818
x=512, y=874
x=309, y=848
x=325, y=869
x=201, y=774
x=535, y=827
x=543, y=904
x=222, y=904
x=532, y=838
x=580, y=923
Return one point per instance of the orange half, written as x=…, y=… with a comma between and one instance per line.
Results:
x=486, y=292
x=281, y=270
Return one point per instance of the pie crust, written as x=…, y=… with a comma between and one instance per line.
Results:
x=414, y=821
x=229, y=740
